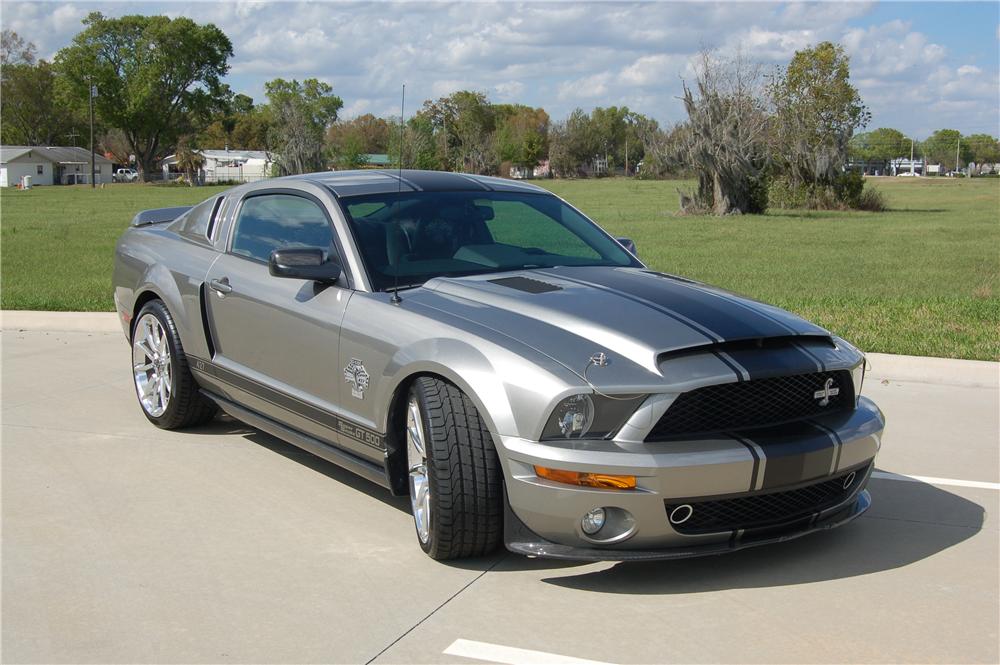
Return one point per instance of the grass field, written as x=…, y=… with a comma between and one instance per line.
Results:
x=922, y=279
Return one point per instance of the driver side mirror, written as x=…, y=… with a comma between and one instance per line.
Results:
x=305, y=263
x=628, y=244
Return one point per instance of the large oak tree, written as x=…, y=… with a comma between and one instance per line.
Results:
x=155, y=76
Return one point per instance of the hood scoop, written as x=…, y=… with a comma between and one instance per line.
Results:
x=526, y=284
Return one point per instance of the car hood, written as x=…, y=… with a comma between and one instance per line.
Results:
x=633, y=314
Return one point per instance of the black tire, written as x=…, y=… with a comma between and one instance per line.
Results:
x=463, y=472
x=186, y=407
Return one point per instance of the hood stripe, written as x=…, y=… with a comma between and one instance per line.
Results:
x=691, y=304
x=680, y=318
x=731, y=299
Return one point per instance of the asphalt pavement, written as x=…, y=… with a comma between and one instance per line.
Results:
x=125, y=543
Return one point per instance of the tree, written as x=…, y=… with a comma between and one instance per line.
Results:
x=572, y=145
x=240, y=125
x=420, y=149
x=34, y=111
x=883, y=144
x=726, y=141
x=350, y=140
x=301, y=113
x=15, y=51
x=190, y=161
x=155, y=76
x=816, y=112
x=522, y=134
x=984, y=149
x=943, y=146
x=467, y=123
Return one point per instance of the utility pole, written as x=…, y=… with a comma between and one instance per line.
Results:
x=957, y=146
x=626, y=155
x=911, y=156
x=93, y=169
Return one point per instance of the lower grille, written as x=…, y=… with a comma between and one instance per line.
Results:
x=756, y=403
x=758, y=510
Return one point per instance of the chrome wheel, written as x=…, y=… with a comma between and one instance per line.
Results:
x=151, y=365
x=416, y=460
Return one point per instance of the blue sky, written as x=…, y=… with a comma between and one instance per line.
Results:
x=919, y=66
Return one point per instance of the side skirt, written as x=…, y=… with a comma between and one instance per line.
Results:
x=331, y=453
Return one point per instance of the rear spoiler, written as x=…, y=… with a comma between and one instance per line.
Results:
x=159, y=215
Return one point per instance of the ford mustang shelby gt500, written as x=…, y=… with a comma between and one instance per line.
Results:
x=480, y=345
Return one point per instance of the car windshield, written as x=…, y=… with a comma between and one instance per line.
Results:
x=410, y=237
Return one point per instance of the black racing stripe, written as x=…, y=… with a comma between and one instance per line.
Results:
x=652, y=305
x=756, y=460
x=691, y=302
x=793, y=456
x=761, y=364
x=732, y=299
x=725, y=361
x=331, y=421
x=836, y=437
x=804, y=349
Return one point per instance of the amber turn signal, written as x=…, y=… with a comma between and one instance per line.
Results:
x=601, y=480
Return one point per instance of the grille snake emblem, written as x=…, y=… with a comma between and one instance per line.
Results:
x=828, y=391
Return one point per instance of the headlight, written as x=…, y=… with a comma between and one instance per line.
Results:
x=591, y=416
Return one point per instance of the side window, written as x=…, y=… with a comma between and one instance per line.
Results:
x=272, y=221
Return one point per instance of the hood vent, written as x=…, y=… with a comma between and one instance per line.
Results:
x=525, y=284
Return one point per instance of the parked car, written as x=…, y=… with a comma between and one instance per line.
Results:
x=125, y=175
x=481, y=346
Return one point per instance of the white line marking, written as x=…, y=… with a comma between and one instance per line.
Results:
x=498, y=653
x=886, y=475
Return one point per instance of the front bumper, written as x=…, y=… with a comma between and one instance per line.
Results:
x=543, y=517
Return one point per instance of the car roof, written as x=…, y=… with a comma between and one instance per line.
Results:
x=370, y=181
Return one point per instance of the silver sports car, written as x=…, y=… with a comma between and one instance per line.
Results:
x=480, y=345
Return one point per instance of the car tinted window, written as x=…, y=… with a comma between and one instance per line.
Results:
x=410, y=237
x=273, y=221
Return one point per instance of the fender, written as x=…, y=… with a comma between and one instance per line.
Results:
x=501, y=388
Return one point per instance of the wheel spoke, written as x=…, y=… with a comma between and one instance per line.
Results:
x=142, y=367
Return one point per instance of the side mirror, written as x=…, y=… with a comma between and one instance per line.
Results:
x=305, y=263
x=628, y=244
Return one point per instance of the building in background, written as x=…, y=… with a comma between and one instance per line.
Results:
x=51, y=165
x=226, y=166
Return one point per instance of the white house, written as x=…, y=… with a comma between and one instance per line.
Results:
x=51, y=165
x=227, y=165
x=18, y=161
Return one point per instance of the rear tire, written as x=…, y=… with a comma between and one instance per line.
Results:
x=456, y=487
x=168, y=393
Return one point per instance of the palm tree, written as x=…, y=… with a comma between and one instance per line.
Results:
x=190, y=161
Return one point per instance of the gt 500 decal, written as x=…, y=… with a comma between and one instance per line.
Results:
x=351, y=430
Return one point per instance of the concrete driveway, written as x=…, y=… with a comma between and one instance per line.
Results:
x=124, y=543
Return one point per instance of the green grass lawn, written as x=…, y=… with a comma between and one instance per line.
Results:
x=922, y=279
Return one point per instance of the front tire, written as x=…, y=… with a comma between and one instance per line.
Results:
x=456, y=487
x=167, y=392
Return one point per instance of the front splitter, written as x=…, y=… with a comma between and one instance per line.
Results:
x=522, y=540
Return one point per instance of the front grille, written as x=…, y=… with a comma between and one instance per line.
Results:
x=755, y=403
x=759, y=510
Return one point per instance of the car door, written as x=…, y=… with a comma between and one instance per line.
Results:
x=276, y=339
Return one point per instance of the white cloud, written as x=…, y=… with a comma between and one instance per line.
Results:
x=561, y=55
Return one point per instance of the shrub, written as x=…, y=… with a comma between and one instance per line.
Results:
x=783, y=193
x=847, y=188
x=872, y=200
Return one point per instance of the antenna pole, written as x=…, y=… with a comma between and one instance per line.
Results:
x=395, y=300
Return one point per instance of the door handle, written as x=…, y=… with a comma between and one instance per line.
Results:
x=221, y=286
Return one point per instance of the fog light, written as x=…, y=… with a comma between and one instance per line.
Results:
x=593, y=521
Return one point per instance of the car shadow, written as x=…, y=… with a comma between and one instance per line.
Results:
x=908, y=522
